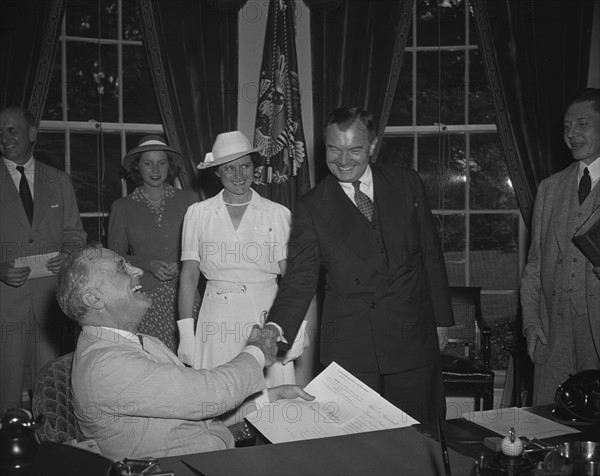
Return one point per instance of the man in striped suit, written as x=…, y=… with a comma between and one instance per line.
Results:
x=133, y=396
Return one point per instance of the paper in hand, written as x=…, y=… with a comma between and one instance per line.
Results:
x=37, y=264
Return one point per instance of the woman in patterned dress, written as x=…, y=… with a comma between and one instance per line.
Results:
x=145, y=228
x=238, y=241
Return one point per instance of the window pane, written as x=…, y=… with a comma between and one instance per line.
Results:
x=397, y=151
x=132, y=30
x=50, y=149
x=96, y=229
x=82, y=18
x=452, y=229
x=491, y=188
x=139, y=101
x=442, y=169
x=93, y=88
x=498, y=312
x=401, y=111
x=493, y=255
x=53, y=108
x=481, y=106
x=440, y=87
x=472, y=31
x=496, y=307
x=440, y=22
x=89, y=167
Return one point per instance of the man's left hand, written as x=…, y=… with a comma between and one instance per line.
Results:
x=288, y=391
x=442, y=333
x=53, y=264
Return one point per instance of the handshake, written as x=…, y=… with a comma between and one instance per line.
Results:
x=264, y=336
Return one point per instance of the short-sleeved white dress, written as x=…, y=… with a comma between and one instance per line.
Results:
x=241, y=268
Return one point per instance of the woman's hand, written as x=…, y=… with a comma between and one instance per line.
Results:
x=163, y=270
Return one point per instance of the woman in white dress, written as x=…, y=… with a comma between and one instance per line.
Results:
x=238, y=241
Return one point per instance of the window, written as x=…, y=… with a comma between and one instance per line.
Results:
x=100, y=103
x=442, y=124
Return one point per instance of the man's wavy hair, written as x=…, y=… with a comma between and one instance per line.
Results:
x=346, y=117
x=590, y=94
x=73, y=281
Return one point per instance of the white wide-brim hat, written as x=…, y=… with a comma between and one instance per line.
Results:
x=227, y=147
x=148, y=143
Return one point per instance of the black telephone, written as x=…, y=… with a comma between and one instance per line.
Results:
x=578, y=398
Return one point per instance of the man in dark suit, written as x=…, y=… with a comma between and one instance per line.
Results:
x=387, y=305
x=38, y=215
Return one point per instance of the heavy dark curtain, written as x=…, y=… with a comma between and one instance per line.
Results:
x=192, y=50
x=536, y=55
x=29, y=32
x=357, y=48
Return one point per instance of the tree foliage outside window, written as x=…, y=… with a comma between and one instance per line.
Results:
x=100, y=103
x=442, y=123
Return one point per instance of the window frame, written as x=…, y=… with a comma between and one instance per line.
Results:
x=416, y=131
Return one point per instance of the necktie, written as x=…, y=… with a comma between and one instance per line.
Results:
x=141, y=339
x=585, y=186
x=363, y=202
x=25, y=193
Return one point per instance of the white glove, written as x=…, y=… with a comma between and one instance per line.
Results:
x=301, y=342
x=186, y=348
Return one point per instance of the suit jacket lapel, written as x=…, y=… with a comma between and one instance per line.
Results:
x=344, y=220
x=43, y=197
x=562, y=200
x=11, y=200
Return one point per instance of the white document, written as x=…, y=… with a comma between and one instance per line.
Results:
x=525, y=423
x=343, y=405
x=37, y=263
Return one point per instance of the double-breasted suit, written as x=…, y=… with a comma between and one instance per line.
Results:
x=386, y=286
x=29, y=313
x=559, y=291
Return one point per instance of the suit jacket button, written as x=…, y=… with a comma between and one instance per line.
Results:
x=30, y=240
x=356, y=281
x=373, y=305
x=410, y=301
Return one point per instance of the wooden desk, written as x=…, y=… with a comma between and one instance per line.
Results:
x=403, y=451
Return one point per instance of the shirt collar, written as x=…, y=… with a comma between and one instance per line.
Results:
x=593, y=169
x=12, y=167
x=103, y=331
x=366, y=180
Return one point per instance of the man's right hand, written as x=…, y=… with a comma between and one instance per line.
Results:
x=187, y=347
x=266, y=340
x=533, y=334
x=13, y=276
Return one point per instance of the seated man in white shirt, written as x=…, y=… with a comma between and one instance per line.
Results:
x=133, y=396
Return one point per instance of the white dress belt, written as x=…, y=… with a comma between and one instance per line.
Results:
x=227, y=287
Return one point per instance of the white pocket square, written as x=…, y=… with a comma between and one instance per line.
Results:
x=54, y=206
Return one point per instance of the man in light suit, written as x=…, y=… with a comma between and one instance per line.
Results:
x=132, y=395
x=387, y=305
x=32, y=324
x=560, y=289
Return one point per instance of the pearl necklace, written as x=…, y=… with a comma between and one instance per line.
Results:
x=237, y=204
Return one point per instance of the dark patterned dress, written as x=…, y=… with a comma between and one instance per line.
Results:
x=142, y=231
